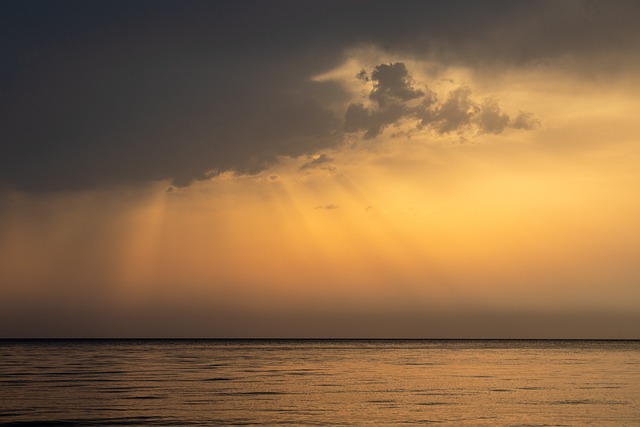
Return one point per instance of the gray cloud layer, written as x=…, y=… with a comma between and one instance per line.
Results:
x=105, y=93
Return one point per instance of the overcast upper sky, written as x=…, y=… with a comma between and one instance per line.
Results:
x=355, y=168
x=104, y=93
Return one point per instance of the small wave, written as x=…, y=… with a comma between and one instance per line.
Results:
x=436, y=403
x=143, y=397
x=575, y=402
x=253, y=393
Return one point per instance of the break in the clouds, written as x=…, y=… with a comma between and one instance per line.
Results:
x=323, y=160
x=106, y=93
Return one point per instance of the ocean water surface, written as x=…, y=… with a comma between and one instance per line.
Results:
x=324, y=382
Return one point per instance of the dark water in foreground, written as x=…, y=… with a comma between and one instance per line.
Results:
x=170, y=383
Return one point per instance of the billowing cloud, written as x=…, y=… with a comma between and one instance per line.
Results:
x=393, y=88
x=525, y=120
x=492, y=120
x=394, y=94
x=392, y=84
x=456, y=111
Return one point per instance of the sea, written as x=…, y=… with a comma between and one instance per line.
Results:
x=319, y=383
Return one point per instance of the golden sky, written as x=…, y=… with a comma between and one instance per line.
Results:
x=387, y=192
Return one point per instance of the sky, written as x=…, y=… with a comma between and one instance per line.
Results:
x=320, y=169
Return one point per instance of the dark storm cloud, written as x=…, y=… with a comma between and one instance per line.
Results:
x=100, y=95
x=392, y=84
x=104, y=92
x=393, y=88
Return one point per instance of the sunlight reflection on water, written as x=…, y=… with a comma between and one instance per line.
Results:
x=388, y=382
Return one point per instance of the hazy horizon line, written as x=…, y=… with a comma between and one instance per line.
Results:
x=305, y=339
